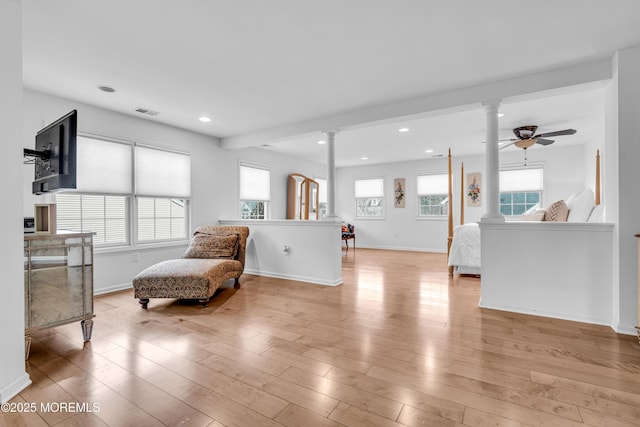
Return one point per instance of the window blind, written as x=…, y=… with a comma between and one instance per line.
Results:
x=162, y=173
x=103, y=166
x=369, y=187
x=322, y=184
x=521, y=180
x=433, y=184
x=255, y=183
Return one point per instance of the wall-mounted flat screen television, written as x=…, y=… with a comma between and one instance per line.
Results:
x=55, y=155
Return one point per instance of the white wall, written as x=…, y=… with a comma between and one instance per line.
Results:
x=313, y=250
x=402, y=230
x=13, y=377
x=214, y=183
x=567, y=265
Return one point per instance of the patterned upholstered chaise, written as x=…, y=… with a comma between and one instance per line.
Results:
x=215, y=254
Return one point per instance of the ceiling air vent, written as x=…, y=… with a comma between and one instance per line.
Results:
x=147, y=111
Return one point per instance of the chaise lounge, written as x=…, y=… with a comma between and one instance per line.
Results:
x=215, y=254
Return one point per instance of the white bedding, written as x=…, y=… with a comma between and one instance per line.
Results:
x=465, y=247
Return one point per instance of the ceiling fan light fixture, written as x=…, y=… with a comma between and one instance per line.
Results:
x=525, y=143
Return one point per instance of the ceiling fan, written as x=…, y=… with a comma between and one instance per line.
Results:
x=526, y=137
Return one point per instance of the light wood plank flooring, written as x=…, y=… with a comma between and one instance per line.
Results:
x=400, y=343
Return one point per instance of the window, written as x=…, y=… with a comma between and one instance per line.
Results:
x=322, y=197
x=520, y=190
x=163, y=185
x=104, y=215
x=255, y=191
x=369, y=198
x=161, y=219
x=433, y=195
x=102, y=200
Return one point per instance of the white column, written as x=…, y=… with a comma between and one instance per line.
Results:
x=331, y=174
x=13, y=377
x=492, y=165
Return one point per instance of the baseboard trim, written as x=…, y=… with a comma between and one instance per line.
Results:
x=625, y=329
x=313, y=280
x=111, y=289
x=11, y=390
x=399, y=248
x=562, y=316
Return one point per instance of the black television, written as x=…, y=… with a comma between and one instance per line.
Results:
x=55, y=155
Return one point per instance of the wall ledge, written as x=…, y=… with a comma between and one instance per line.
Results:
x=550, y=226
x=284, y=222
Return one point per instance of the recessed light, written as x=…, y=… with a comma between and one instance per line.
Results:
x=500, y=114
x=106, y=89
x=364, y=158
x=403, y=130
x=204, y=119
x=428, y=151
x=322, y=142
x=500, y=143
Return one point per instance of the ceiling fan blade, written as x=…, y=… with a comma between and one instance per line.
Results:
x=556, y=133
x=503, y=140
x=513, y=141
x=543, y=141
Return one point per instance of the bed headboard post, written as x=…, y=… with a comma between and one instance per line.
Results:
x=598, y=177
x=450, y=238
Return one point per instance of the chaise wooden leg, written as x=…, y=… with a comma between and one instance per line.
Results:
x=236, y=284
x=144, y=302
x=204, y=302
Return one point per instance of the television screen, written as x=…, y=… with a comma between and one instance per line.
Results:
x=55, y=155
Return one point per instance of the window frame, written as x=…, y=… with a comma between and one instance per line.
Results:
x=383, y=210
x=419, y=195
x=266, y=203
x=323, y=206
x=127, y=222
x=540, y=192
x=131, y=201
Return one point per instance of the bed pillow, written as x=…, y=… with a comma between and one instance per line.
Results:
x=597, y=214
x=557, y=212
x=537, y=215
x=211, y=246
x=580, y=206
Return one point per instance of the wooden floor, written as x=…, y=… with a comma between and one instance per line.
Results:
x=400, y=343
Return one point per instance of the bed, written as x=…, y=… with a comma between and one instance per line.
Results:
x=463, y=250
x=464, y=254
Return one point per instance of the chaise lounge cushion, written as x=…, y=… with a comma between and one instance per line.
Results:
x=204, y=245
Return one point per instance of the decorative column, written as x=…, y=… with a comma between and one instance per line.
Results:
x=492, y=165
x=331, y=175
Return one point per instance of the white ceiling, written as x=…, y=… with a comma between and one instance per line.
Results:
x=255, y=65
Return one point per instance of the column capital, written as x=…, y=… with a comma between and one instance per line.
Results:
x=330, y=132
x=492, y=104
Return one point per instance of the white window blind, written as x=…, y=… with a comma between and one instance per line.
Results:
x=521, y=180
x=104, y=215
x=103, y=166
x=369, y=187
x=433, y=184
x=322, y=184
x=255, y=183
x=162, y=173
